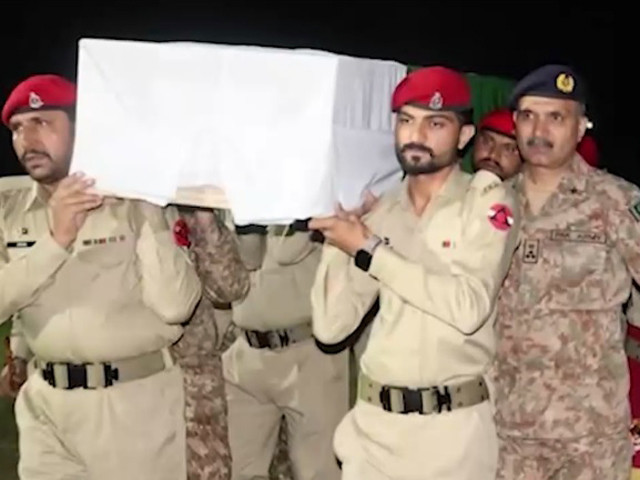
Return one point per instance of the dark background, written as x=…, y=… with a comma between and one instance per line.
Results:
x=505, y=39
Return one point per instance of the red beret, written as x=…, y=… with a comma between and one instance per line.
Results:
x=499, y=121
x=435, y=88
x=588, y=150
x=39, y=92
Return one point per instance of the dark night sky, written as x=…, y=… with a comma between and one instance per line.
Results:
x=495, y=38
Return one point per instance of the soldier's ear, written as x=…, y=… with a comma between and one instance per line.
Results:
x=582, y=127
x=466, y=134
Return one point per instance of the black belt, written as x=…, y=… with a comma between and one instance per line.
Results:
x=280, y=338
x=296, y=226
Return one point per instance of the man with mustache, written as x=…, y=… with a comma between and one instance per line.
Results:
x=435, y=250
x=495, y=147
x=561, y=375
x=100, y=290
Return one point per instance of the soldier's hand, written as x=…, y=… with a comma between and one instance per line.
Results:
x=70, y=204
x=347, y=232
x=13, y=377
x=368, y=203
x=203, y=225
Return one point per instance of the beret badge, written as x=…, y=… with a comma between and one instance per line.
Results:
x=35, y=101
x=565, y=83
x=436, y=101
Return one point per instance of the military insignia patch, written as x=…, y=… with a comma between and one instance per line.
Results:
x=635, y=211
x=436, y=101
x=565, y=83
x=490, y=187
x=500, y=216
x=20, y=244
x=102, y=241
x=577, y=236
x=181, y=233
x=530, y=252
x=35, y=101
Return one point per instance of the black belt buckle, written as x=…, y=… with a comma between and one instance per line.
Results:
x=412, y=401
x=48, y=375
x=76, y=376
x=257, y=339
x=385, y=398
x=272, y=339
x=110, y=374
x=443, y=398
x=280, y=339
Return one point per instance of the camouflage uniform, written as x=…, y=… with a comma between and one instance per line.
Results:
x=281, y=468
x=224, y=280
x=561, y=376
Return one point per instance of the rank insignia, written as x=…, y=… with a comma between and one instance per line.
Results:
x=565, y=83
x=530, y=253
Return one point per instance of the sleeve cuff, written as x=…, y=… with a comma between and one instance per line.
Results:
x=47, y=250
x=384, y=262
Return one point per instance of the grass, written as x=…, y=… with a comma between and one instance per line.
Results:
x=8, y=434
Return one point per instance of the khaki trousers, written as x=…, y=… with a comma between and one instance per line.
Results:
x=131, y=431
x=377, y=445
x=306, y=386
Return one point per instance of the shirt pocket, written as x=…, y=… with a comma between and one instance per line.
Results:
x=439, y=242
x=576, y=273
x=106, y=251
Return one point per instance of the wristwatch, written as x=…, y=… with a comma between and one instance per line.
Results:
x=364, y=255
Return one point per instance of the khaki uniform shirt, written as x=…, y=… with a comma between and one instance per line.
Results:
x=561, y=369
x=280, y=285
x=121, y=290
x=438, y=277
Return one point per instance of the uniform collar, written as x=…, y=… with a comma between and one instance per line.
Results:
x=572, y=187
x=453, y=185
x=574, y=180
x=38, y=197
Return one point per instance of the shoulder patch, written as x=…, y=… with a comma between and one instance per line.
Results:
x=635, y=211
x=500, y=216
x=489, y=187
x=484, y=179
x=181, y=233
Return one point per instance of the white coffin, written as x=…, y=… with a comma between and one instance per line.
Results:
x=272, y=134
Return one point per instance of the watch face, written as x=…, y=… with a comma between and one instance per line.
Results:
x=363, y=260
